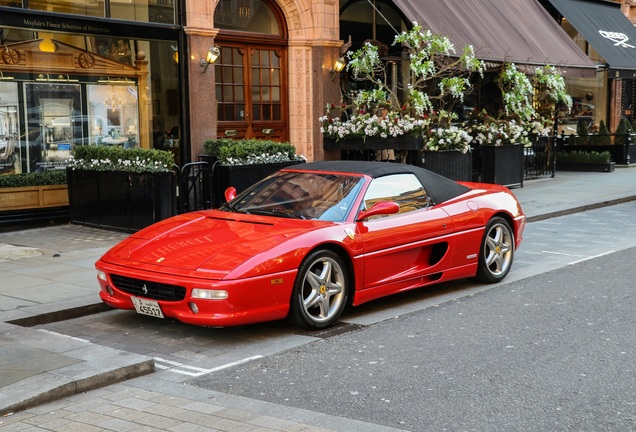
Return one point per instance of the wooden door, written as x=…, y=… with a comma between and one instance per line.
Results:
x=251, y=97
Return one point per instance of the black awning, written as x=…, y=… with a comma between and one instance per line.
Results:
x=604, y=27
x=519, y=31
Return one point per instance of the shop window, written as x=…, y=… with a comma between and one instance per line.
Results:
x=9, y=128
x=156, y=11
x=93, y=8
x=253, y=16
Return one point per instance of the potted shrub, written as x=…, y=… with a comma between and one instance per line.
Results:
x=447, y=152
x=36, y=190
x=120, y=188
x=376, y=119
x=585, y=161
x=502, y=140
x=241, y=163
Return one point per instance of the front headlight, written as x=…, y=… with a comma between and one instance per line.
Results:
x=101, y=275
x=206, y=294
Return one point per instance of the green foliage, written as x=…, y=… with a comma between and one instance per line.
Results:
x=53, y=177
x=602, y=137
x=250, y=151
x=583, y=157
x=582, y=134
x=622, y=131
x=438, y=78
x=105, y=158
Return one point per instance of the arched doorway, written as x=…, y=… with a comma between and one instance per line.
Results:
x=251, y=71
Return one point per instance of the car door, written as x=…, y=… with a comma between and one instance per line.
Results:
x=401, y=249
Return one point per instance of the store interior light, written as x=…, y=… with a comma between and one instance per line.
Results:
x=59, y=78
x=210, y=57
x=48, y=46
x=175, y=54
x=115, y=81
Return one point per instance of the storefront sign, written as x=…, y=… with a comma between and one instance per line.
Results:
x=619, y=39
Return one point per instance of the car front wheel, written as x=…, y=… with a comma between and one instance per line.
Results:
x=497, y=251
x=320, y=291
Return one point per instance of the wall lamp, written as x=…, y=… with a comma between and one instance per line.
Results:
x=212, y=55
x=338, y=66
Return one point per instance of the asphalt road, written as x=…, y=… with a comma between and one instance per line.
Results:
x=549, y=349
x=555, y=352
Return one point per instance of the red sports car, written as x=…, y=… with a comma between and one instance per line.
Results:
x=311, y=239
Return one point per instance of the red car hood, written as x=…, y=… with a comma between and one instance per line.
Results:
x=215, y=242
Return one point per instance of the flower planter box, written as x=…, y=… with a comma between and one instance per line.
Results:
x=374, y=143
x=586, y=166
x=450, y=163
x=120, y=200
x=621, y=154
x=241, y=177
x=33, y=197
x=502, y=164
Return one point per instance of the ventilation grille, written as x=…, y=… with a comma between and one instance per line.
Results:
x=147, y=289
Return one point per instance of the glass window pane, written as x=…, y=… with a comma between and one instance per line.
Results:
x=275, y=94
x=276, y=112
x=265, y=78
x=276, y=77
x=229, y=112
x=240, y=112
x=238, y=75
x=227, y=75
x=239, y=93
x=227, y=94
x=257, y=112
x=256, y=76
x=246, y=16
x=93, y=8
x=265, y=58
x=219, y=93
x=144, y=11
x=267, y=114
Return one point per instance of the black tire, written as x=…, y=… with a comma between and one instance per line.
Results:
x=496, y=252
x=320, y=291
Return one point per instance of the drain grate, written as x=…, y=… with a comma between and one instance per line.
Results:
x=337, y=329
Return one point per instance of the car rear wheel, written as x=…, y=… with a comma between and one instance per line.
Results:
x=497, y=251
x=320, y=291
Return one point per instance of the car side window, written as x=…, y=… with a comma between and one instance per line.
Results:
x=403, y=189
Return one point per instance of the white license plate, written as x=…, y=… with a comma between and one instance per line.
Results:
x=147, y=307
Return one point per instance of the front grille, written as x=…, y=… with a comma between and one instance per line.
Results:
x=147, y=289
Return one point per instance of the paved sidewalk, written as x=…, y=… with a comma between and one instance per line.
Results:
x=47, y=274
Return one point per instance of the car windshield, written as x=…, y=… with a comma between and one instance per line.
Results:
x=301, y=195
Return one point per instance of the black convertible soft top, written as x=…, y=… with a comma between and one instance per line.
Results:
x=438, y=188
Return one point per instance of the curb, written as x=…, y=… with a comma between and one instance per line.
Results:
x=134, y=370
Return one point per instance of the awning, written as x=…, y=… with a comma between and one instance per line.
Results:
x=519, y=31
x=604, y=27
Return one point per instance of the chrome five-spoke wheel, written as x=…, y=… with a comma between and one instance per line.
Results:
x=320, y=291
x=497, y=251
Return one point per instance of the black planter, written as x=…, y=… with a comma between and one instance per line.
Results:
x=502, y=164
x=241, y=177
x=120, y=200
x=622, y=154
x=587, y=167
x=450, y=163
x=374, y=143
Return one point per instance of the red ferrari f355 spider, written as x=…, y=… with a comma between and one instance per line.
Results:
x=311, y=239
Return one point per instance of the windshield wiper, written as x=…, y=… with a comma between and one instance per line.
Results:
x=275, y=212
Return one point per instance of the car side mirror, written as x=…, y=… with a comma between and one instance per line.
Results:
x=380, y=208
x=230, y=194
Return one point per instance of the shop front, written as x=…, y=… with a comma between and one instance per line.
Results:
x=71, y=80
x=606, y=35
